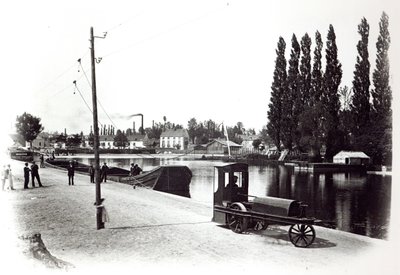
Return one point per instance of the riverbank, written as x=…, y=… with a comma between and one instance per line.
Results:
x=150, y=230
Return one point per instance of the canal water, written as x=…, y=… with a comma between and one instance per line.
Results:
x=356, y=202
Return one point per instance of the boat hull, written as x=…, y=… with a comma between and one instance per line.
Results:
x=170, y=179
x=22, y=155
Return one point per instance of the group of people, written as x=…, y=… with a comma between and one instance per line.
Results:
x=103, y=173
x=71, y=172
x=33, y=171
x=135, y=170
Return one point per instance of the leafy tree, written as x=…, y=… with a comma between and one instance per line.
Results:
x=61, y=138
x=82, y=139
x=382, y=95
x=330, y=96
x=251, y=131
x=29, y=127
x=212, y=129
x=120, y=139
x=310, y=121
x=233, y=135
x=91, y=139
x=360, y=106
x=317, y=74
x=240, y=128
x=192, y=126
x=256, y=143
x=74, y=140
x=155, y=131
x=309, y=126
x=202, y=136
x=265, y=137
x=274, y=126
x=290, y=112
x=303, y=102
x=305, y=74
x=177, y=126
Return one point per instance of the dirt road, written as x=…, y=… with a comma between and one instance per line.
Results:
x=149, y=229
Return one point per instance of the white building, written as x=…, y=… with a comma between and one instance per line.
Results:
x=177, y=139
x=135, y=141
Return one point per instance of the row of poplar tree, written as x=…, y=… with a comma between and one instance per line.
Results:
x=308, y=111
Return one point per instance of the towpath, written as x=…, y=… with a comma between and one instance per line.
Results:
x=154, y=230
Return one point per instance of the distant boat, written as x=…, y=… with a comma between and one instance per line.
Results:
x=22, y=155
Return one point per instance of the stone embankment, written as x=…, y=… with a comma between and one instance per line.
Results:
x=153, y=230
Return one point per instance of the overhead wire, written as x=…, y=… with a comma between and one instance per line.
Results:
x=109, y=54
x=87, y=105
x=101, y=105
x=173, y=28
x=59, y=76
x=124, y=22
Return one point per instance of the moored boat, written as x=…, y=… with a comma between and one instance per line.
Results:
x=174, y=179
x=22, y=155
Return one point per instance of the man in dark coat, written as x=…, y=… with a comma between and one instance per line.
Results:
x=137, y=170
x=71, y=173
x=26, y=175
x=91, y=173
x=35, y=174
x=132, y=170
x=104, y=172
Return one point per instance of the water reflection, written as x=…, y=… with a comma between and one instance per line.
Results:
x=356, y=202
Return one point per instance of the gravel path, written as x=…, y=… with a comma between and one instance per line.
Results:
x=153, y=230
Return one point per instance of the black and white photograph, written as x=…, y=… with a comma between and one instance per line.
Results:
x=199, y=136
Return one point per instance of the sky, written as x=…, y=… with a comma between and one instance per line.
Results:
x=178, y=59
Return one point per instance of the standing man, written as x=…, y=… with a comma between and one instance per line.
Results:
x=35, y=174
x=104, y=171
x=71, y=173
x=137, y=170
x=26, y=175
x=132, y=170
x=10, y=178
x=41, y=161
x=3, y=177
x=91, y=173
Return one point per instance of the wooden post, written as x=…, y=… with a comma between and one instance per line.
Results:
x=100, y=223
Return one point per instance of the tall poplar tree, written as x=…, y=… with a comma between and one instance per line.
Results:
x=305, y=73
x=317, y=74
x=360, y=105
x=382, y=95
x=310, y=125
x=330, y=96
x=289, y=112
x=278, y=89
x=303, y=103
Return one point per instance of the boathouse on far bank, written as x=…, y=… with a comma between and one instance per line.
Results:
x=218, y=146
x=351, y=157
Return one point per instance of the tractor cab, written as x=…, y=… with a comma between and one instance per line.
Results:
x=231, y=184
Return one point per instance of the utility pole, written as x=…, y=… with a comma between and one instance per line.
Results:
x=99, y=209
